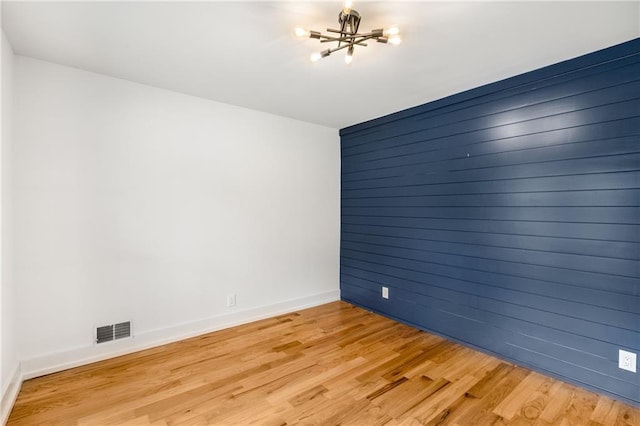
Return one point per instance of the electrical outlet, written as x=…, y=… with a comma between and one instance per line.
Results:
x=627, y=360
x=231, y=300
x=385, y=292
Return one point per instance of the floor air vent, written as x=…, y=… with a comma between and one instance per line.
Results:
x=111, y=332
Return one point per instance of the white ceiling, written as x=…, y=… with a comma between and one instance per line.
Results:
x=244, y=53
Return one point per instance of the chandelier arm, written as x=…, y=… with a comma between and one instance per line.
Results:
x=347, y=45
x=351, y=38
x=376, y=33
x=332, y=38
x=332, y=30
x=371, y=34
x=344, y=39
x=344, y=46
x=360, y=38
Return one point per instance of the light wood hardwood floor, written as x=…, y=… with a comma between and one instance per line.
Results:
x=333, y=364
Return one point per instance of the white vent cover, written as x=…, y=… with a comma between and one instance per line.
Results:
x=107, y=333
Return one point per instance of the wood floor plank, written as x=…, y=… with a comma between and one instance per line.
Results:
x=627, y=416
x=433, y=406
x=402, y=399
x=484, y=396
x=332, y=364
x=521, y=395
x=606, y=412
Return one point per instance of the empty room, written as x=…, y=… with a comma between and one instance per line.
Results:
x=321, y=213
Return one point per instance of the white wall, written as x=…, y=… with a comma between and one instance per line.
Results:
x=136, y=203
x=9, y=373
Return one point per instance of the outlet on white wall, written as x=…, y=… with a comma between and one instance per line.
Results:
x=231, y=300
x=627, y=360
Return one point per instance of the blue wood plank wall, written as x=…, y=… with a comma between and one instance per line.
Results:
x=507, y=218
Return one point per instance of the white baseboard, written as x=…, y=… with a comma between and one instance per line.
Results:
x=10, y=394
x=52, y=363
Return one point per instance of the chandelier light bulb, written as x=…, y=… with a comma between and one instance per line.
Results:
x=349, y=58
x=392, y=31
x=301, y=32
x=395, y=40
x=348, y=4
x=315, y=57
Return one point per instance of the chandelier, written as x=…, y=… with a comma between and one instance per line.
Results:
x=348, y=36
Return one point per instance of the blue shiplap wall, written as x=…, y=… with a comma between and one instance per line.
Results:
x=507, y=217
